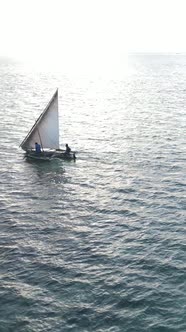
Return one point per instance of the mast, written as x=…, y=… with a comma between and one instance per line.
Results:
x=40, y=139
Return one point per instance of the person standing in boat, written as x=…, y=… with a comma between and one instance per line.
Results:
x=68, y=149
x=37, y=147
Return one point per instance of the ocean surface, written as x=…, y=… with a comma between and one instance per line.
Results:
x=97, y=244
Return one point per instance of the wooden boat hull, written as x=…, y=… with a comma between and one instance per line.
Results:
x=50, y=155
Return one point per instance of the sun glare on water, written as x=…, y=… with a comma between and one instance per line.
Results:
x=88, y=37
x=76, y=37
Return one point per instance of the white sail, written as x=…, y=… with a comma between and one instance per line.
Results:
x=46, y=129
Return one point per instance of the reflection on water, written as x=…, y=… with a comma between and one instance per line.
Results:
x=96, y=244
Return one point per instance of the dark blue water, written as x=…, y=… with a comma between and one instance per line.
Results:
x=99, y=244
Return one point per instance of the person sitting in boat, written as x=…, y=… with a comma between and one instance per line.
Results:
x=37, y=147
x=68, y=149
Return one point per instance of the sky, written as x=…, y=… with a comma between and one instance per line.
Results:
x=82, y=34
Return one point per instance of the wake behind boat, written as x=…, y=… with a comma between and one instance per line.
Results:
x=42, y=141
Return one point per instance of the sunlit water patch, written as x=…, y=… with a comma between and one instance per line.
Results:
x=95, y=245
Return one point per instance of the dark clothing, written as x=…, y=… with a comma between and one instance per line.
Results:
x=38, y=147
x=68, y=149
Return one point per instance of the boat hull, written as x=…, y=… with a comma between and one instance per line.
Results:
x=50, y=155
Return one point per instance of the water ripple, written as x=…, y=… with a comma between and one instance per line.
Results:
x=96, y=245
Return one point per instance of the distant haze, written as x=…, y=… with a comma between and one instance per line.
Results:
x=90, y=35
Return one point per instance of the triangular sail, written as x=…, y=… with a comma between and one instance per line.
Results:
x=46, y=129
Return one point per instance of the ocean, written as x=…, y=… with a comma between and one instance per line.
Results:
x=97, y=244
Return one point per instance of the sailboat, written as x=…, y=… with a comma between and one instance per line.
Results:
x=45, y=134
